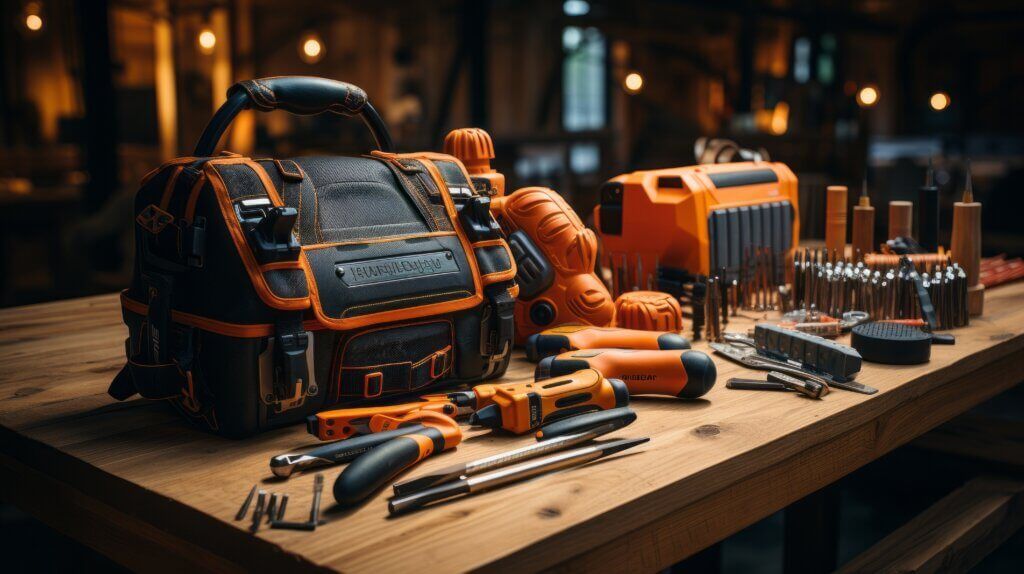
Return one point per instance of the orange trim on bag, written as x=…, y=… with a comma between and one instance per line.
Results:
x=386, y=239
x=165, y=199
x=239, y=330
x=371, y=378
x=252, y=267
x=280, y=265
x=193, y=197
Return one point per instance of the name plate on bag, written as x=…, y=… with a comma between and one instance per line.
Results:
x=397, y=268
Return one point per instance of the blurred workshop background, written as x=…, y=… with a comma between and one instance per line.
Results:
x=95, y=93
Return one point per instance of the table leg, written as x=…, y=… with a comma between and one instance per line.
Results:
x=812, y=533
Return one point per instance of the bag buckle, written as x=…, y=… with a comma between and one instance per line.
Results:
x=292, y=370
x=476, y=220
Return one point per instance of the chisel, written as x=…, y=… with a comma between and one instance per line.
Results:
x=516, y=473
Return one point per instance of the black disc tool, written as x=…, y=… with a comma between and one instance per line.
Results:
x=891, y=343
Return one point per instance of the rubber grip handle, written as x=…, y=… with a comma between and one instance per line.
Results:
x=687, y=375
x=345, y=450
x=559, y=340
x=303, y=95
x=371, y=471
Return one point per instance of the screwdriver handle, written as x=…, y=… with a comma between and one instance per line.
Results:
x=572, y=337
x=368, y=473
x=689, y=374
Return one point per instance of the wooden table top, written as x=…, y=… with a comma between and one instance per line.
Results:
x=137, y=483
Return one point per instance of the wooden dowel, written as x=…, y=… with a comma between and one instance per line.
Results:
x=901, y=219
x=835, y=219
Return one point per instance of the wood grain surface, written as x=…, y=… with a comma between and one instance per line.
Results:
x=136, y=482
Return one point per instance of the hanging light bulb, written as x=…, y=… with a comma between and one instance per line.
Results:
x=311, y=48
x=867, y=96
x=939, y=101
x=207, y=41
x=33, y=13
x=633, y=82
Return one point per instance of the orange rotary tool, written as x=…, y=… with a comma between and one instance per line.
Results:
x=573, y=337
x=686, y=375
x=343, y=423
x=521, y=408
x=366, y=474
x=554, y=252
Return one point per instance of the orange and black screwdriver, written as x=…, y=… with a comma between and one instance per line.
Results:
x=686, y=374
x=368, y=473
x=573, y=337
x=523, y=407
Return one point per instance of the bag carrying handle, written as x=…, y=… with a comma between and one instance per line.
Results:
x=302, y=95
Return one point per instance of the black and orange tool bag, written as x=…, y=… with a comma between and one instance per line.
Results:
x=267, y=289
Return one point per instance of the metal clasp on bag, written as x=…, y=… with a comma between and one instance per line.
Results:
x=273, y=391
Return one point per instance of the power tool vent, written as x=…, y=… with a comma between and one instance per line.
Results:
x=736, y=232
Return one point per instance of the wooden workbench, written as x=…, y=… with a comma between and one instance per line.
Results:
x=136, y=483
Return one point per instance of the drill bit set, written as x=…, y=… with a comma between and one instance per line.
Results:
x=835, y=287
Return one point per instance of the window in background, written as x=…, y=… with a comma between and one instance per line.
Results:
x=802, y=60
x=584, y=82
x=827, y=59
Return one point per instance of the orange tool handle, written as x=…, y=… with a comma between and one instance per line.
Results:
x=343, y=423
x=573, y=337
x=686, y=375
x=521, y=408
x=368, y=473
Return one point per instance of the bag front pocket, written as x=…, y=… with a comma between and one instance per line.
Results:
x=393, y=360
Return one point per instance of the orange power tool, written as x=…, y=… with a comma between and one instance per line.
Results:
x=526, y=406
x=368, y=473
x=687, y=375
x=555, y=253
x=343, y=423
x=574, y=337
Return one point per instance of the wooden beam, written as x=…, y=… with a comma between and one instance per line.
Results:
x=981, y=437
x=954, y=534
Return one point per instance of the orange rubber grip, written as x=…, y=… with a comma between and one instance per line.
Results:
x=688, y=374
x=570, y=338
x=521, y=408
x=343, y=423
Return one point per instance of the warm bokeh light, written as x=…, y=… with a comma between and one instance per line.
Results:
x=780, y=119
x=312, y=49
x=939, y=101
x=867, y=96
x=633, y=82
x=207, y=41
x=34, y=22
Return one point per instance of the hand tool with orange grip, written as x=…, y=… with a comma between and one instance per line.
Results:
x=343, y=423
x=521, y=408
x=554, y=252
x=366, y=474
x=687, y=374
x=573, y=337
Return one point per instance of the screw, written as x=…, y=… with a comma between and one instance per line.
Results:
x=339, y=271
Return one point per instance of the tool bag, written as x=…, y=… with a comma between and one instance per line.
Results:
x=267, y=289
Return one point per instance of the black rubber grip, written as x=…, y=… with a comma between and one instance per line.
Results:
x=303, y=95
x=673, y=342
x=348, y=449
x=539, y=346
x=368, y=473
x=619, y=418
x=701, y=374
